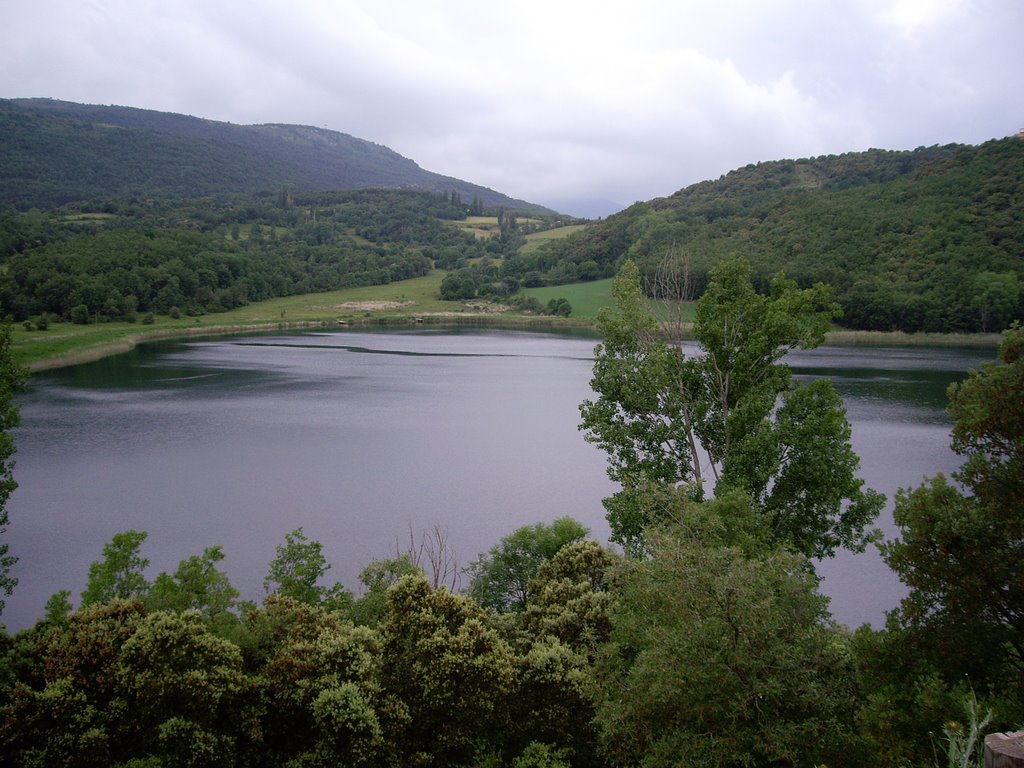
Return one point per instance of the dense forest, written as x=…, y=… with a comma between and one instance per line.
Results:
x=702, y=642
x=131, y=258
x=923, y=240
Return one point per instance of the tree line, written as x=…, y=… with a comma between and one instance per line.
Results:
x=702, y=639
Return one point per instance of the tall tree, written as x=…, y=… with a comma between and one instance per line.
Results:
x=720, y=653
x=12, y=380
x=296, y=572
x=121, y=572
x=448, y=668
x=196, y=584
x=732, y=414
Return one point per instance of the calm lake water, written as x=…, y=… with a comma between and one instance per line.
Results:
x=364, y=438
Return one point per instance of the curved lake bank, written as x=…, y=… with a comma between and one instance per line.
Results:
x=363, y=435
x=90, y=352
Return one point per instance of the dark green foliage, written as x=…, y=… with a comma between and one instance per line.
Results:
x=499, y=578
x=296, y=572
x=928, y=240
x=122, y=685
x=451, y=672
x=127, y=267
x=377, y=578
x=12, y=381
x=720, y=652
x=121, y=572
x=197, y=585
x=560, y=307
x=56, y=152
x=961, y=547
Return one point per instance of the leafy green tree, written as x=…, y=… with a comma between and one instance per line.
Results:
x=12, y=380
x=733, y=412
x=560, y=307
x=120, y=574
x=450, y=671
x=296, y=572
x=566, y=618
x=720, y=652
x=996, y=299
x=198, y=585
x=184, y=689
x=960, y=548
x=72, y=714
x=58, y=608
x=569, y=598
x=321, y=699
x=80, y=314
x=499, y=578
x=377, y=578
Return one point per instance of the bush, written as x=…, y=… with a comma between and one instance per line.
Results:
x=560, y=307
x=80, y=315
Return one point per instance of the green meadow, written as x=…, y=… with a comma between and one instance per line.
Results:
x=588, y=298
x=535, y=239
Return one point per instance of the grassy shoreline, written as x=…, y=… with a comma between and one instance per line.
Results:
x=91, y=351
x=406, y=303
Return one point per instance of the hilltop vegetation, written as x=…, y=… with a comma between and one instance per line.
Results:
x=57, y=152
x=928, y=240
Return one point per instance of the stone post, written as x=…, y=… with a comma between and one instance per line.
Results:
x=1004, y=750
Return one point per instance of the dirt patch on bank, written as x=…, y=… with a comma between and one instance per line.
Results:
x=373, y=306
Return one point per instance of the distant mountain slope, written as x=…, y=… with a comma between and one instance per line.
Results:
x=923, y=240
x=57, y=152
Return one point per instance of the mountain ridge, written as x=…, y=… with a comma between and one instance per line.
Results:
x=56, y=152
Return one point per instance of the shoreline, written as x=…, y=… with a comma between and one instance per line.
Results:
x=839, y=338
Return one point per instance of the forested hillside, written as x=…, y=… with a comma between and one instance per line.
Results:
x=132, y=258
x=926, y=240
x=57, y=152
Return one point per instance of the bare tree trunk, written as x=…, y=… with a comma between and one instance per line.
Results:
x=433, y=554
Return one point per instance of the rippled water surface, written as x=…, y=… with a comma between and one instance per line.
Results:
x=365, y=437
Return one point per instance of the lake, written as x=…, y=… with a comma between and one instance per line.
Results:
x=367, y=438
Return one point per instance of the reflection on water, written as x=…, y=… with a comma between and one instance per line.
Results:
x=361, y=436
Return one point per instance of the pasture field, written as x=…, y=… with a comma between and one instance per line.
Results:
x=586, y=298
x=404, y=301
x=481, y=227
x=534, y=239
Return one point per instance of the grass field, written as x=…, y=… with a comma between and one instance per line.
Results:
x=534, y=239
x=404, y=301
x=481, y=227
x=588, y=298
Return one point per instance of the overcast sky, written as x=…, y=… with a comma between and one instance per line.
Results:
x=554, y=101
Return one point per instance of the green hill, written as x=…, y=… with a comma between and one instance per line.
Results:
x=57, y=152
x=923, y=240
